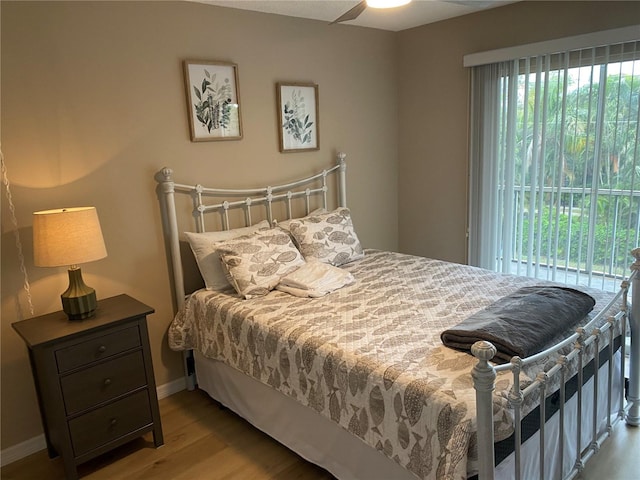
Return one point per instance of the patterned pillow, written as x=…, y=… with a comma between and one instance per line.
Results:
x=256, y=262
x=205, y=248
x=284, y=224
x=328, y=237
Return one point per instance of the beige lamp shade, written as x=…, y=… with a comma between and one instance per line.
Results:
x=67, y=236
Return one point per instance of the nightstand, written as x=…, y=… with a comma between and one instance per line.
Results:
x=94, y=379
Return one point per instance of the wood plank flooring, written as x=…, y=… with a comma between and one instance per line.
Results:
x=203, y=441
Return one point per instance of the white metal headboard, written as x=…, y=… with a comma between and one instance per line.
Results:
x=237, y=199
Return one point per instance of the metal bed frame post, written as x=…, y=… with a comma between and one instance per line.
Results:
x=484, y=377
x=168, y=189
x=633, y=414
x=342, y=179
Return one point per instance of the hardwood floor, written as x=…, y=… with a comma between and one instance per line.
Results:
x=619, y=457
x=203, y=441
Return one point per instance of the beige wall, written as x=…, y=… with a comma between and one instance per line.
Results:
x=93, y=104
x=433, y=108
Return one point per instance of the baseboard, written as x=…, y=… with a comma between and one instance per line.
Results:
x=35, y=444
x=21, y=450
x=172, y=387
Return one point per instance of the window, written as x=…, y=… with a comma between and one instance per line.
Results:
x=555, y=165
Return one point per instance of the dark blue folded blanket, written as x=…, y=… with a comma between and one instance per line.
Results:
x=523, y=323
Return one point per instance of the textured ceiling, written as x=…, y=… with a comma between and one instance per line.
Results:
x=418, y=12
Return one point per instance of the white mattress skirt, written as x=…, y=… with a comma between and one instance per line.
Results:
x=301, y=429
x=323, y=442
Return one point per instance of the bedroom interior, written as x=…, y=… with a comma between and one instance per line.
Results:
x=94, y=106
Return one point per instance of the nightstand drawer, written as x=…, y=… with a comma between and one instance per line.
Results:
x=110, y=422
x=97, y=348
x=102, y=382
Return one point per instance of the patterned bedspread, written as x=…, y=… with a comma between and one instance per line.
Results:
x=368, y=356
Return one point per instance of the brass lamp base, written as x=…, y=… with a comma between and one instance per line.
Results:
x=79, y=300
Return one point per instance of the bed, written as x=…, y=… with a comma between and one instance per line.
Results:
x=359, y=380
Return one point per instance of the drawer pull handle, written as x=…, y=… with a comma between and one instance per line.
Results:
x=107, y=382
x=113, y=422
x=102, y=349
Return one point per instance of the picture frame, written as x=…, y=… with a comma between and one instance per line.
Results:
x=298, y=117
x=213, y=100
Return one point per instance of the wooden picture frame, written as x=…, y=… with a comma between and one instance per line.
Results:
x=213, y=100
x=298, y=120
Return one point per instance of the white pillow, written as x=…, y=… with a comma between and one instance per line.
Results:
x=327, y=237
x=205, y=248
x=257, y=262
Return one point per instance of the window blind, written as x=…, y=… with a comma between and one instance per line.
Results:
x=555, y=164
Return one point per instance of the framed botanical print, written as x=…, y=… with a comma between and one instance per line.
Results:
x=213, y=100
x=298, y=126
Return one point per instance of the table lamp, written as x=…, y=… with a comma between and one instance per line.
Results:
x=68, y=237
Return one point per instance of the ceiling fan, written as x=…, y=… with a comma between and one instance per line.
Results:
x=361, y=6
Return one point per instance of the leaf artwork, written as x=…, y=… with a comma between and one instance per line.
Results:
x=296, y=120
x=213, y=108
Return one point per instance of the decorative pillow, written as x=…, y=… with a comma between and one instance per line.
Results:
x=327, y=237
x=285, y=223
x=205, y=248
x=256, y=262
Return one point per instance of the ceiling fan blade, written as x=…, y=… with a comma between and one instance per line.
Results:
x=351, y=14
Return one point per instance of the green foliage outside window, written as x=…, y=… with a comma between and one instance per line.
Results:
x=589, y=139
x=609, y=254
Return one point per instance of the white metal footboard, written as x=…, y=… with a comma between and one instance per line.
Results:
x=484, y=375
